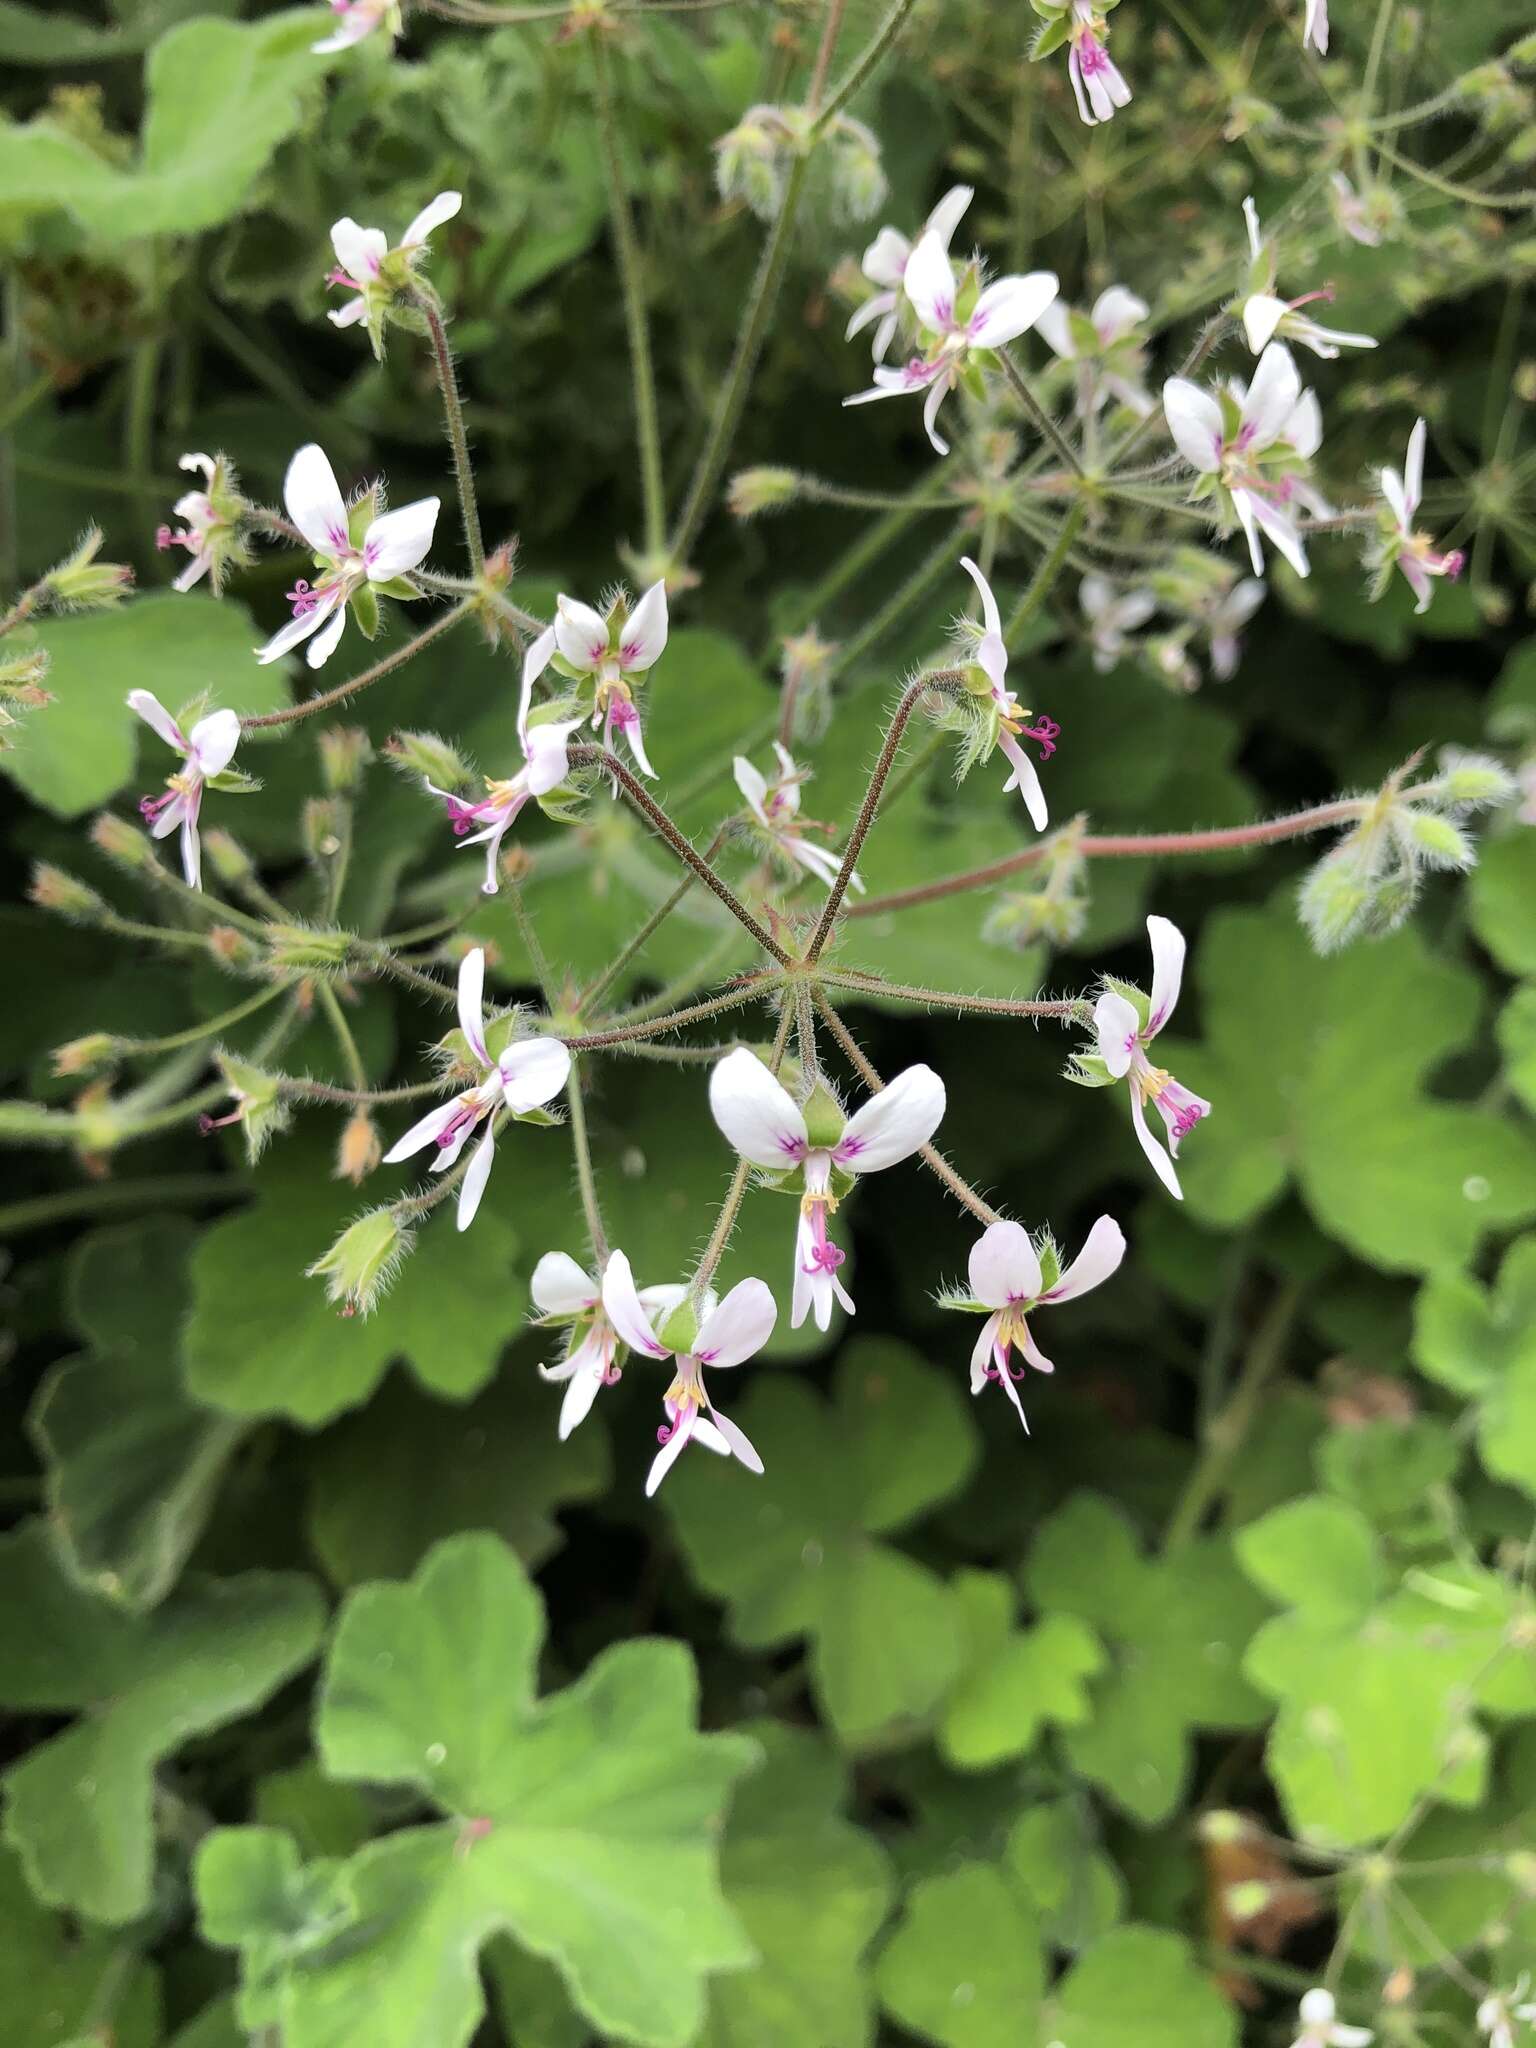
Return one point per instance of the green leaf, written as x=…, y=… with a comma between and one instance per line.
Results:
x=1317, y=1070
x=583, y=1824
x=387, y=1483
x=221, y=96
x=78, y=1806
x=1015, y=1681
x=1481, y=1342
x=964, y=1968
x=1517, y=1043
x=795, y=1552
x=1175, y=1629
x=1140, y=1987
x=80, y=750
x=1054, y=1856
x=261, y=1338
x=60, y=1981
x=1318, y=1556
x=1501, y=899
x=132, y=1463
x=811, y=1890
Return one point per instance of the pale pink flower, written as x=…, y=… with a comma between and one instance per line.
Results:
x=1107, y=354
x=1353, y=213
x=357, y=19
x=1412, y=552
x=364, y=265
x=726, y=1334
x=612, y=652
x=207, y=751
x=1322, y=2028
x=776, y=807
x=991, y=655
x=202, y=522
x=1123, y=1041
x=885, y=264
x=767, y=1127
x=1007, y=1285
x=1498, y=2013
x=526, y=1075
x=394, y=544
x=568, y=1298
x=1261, y=466
x=1002, y=312
x=1112, y=615
x=1224, y=621
x=1267, y=317
x=545, y=767
x=1096, y=79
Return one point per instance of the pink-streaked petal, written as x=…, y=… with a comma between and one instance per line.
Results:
x=1099, y=1258
x=1011, y=307
x=314, y=501
x=1117, y=1028
x=740, y=1326
x=431, y=218
x=929, y=283
x=559, y=1287
x=755, y=1112
x=360, y=252
x=634, y=739
x=398, y=541
x=580, y=634
x=1004, y=1266
x=645, y=631
x=154, y=714
x=1168, y=950
x=533, y=1072
x=621, y=1304
x=1115, y=312
x=476, y=1174
x=166, y=821
x=1160, y=1162
x=472, y=1003
x=302, y=626
x=894, y=1123
x=671, y=1451
x=425, y=1131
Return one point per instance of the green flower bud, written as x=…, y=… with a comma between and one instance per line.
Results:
x=1434, y=840
x=305, y=949
x=680, y=1330
x=824, y=1117
x=345, y=751
x=122, y=842
x=82, y=584
x=91, y=1054
x=424, y=754
x=55, y=889
x=1476, y=781
x=228, y=858
x=754, y=491
x=361, y=1265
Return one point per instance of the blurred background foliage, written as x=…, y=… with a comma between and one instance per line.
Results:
x=1116, y=1736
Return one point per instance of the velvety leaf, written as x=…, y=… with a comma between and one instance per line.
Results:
x=1140, y=1987
x=964, y=1967
x=59, y=1980
x=1015, y=1681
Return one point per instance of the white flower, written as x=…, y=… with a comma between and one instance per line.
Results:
x=1224, y=621
x=1266, y=317
x=529, y=1073
x=1096, y=79
x=725, y=1334
x=614, y=652
x=1314, y=27
x=1497, y=2014
x=1353, y=212
x=776, y=807
x=1007, y=1284
x=1253, y=442
x=885, y=264
x=372, y=271
x=207, y=751
x=1112, y=615
x=1122, y=1043
x=545, y=767
x=998, y=315
x=1321, y=2028
x=1401, y=545
x=393, y=545
x=203, y=522
x=1104, y=345
x=766, y=1126
x=356, y=19
x=992, y=658
x=571, y=1299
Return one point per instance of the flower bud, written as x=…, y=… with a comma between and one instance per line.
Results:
x=1435, y=840
x=305, y=949
x=1019, y=921
x=361, y=1265
x=231, y=947
x=122, y=842
x=754, y=491
x=1476, y=781
x=320, y=825
x=824, y=1116
x=858, y=179
x=680, y=1330
x=227, y=857
x=1334, y=899
x=424, y=754
x=21, y=677
x=359, y=1151
x=81, y=583
x=751, y=162
x=86, y=1055
x=54, y=889
x=805, y=663
x=345, y=751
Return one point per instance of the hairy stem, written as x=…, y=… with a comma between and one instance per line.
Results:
x=586, y=1179
x=853, y=78
x=453, y=419
x=1044, y=579
x=138, y=1048
x=1048, y=428
x=655, y=1027
x=1070, y=1009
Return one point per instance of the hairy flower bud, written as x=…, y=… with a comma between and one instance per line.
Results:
x=122, y=842
x=805, y=663
x=1475, y=782
x=86, y=1055
x=432, y=758
x=345, y=751
x=21, y=677
x=359, y=1150
x=305, y=949
x=231, y=863
x=55, y=889
x=858, y=182
x=82, y=584
x=755, y=491
x=752, y=161
x=361, y=1265
x=231, y=947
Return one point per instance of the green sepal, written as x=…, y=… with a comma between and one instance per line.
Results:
x=365, y=609
x=1088, y=1070
x=1050, y=38
x=400, y=587
x=360, y=517
x=550, y=1119
x=234, y=782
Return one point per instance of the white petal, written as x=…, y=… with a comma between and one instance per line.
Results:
x=886, y=257
x=753, y=786
x=1304, y=428
x=535, y=661
x=322, y=644
x=756, y=1112
x=472, y=1003
x=645, y=631
x=197, y=465
x=1115, y=312
x=1010, y=307
x=1262, y=314
x=1004, y=1266
x=1117, y=1026
x=669, y=1453
x=949, y=212
x=191, y=849
x=359, y=251
x=1162, y=1165
x=397, y=541
x=981, y=1352
x=929, y=283
x=302, y=626
x=938, y=391
x=893, y=1124
x=425, y=1131
x=581, y=1391
x=742, y=1448
x=167, y=820
x=314, y=501
x=1413, y=472
x=214, y=740
x=1317, y=2007
x=194, y=572
x=1099, y=1257
x=622, y=1306
x=476, y=1174
x=1054, y=327
x=1026, y=780
x=1194, y=420
x=560, y=1288
x=580, y=634
x=1280, y=529
x=874, y=308
x=154, y=714
x=1167, y=971
x=1272, y=396
x=741, y=1325
x=349, y=314
x=1392, y=490
x=533, y=1072
x=430, y=218
x=548, y=757
x=989, y=611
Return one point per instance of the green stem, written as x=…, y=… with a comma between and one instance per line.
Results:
x=341, y=1030
x=1037, y=412
x=636, y=320
x=656, y=1027
x=138, y=1048
x=865, y=551
x=1229, y=1431
x=107, y=1197
x=312, y=706
x=831, y=29
x=931, y=571
x=1071, y=1009
x=862, y=65
x=139, y=418
x=538, y=959
x=586, y=1179
x=453, y=419
x=1045, y=576
x=25, y=399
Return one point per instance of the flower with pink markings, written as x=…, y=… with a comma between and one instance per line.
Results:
x=1105, y=346
x=958, y=322
x=393, y=544
x=374, y=272
x=807, y=1147
x=207, y=751
x=545, y=767
x=570, y=1299
x=776, y=807
x=210, y=530
x=715, y=1334
x=1097, y=83
x=525, y=1075
x=885, y=264
x=1401, y=546
x=1266, y=316
x=1251, y=445
x=990, y=655
x=1011, y=1276
x=1124, y=1032
x=1112, y=616
x=1321, y=2026
x=356, y=19
x=612, y=653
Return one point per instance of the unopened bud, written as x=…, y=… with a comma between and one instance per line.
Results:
x=232, y=948
x=321, y=825
x=81, y=583
x=360, y=1150
x=21, y=677
x=824, y=1116
x=1435, y=840
x=345, y=751
x=426, y=755
x=752, y=161
x=361, y=1265
x=85, y=1055
x=1020, y=921
x=226, y=856
x=1475, y=781
x=755, y=491
x=858, y=177
x=55, y=889
x=122, y=842
x=305, y=949
x=805, y=662
x=1334, y=899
